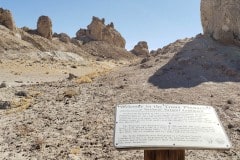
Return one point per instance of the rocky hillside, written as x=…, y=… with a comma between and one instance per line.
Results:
x=71, y=120
x=13, y=39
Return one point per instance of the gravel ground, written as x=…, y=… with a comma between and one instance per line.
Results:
x=68, y=120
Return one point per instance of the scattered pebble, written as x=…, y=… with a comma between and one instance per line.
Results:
x=3, y=85
x=73, y=66
x=5, y=105
x=230, y=126
x=21, y=94
x=145, y=66
x=71, y=76
x=229, y=101
x=19, y=81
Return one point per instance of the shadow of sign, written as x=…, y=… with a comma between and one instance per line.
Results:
x=200, y=60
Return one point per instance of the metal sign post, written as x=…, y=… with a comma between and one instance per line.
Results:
x=164, y=154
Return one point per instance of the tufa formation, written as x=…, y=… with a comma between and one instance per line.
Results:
x=98, y=31
x=44, y=27
x=221, y=21
x=6, y=19
x=141, y=49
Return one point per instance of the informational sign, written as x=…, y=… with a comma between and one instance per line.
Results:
x=168, y=126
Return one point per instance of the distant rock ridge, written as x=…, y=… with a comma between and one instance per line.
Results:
x=98, y=40
x=221, y=20
x=141, y=49
x=98, y=31
x=6, y=19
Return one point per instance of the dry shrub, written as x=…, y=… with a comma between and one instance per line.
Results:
x=75, y=150
x=84, y=79
x=91, y=76
x=19, y=105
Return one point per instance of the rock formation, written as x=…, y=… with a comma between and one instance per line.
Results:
x=98, y=31
x=6, y=19
x=141, y=49
x=44, y=27
x=220, y=20
x=62, y=37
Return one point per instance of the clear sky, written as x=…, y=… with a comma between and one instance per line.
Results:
x=159, y=22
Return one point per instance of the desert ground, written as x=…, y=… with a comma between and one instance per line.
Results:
x=47, y=115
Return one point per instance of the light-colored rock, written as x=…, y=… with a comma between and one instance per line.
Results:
x=6, y=19
x=44, y=27
x=141, y=49
x=220, y=20
x=98, y=31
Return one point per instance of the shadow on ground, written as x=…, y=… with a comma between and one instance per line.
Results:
x=200, y=60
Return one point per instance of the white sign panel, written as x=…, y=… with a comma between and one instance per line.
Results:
x=168, y=126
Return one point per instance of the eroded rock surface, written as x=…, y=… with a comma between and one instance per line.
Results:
x=141, y=49
x=44, y=27
x=98, y=31
x=220, y=20
x=6, y=19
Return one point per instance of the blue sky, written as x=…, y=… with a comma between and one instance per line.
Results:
x=156, y=21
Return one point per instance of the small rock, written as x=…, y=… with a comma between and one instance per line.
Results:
x=73, y=66
x=145, y=66
x=71, y=76
x=35, y=147
x=5, y=105
x=120, y=87
x=19, y=81
x=99, y=59
x=3, y=85
x=229, y=101
x=21, y=94
x=230, y=126
x=238, y=130
x=226, y=107
x=144, y=60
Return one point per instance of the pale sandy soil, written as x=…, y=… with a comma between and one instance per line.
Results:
x=17, y=71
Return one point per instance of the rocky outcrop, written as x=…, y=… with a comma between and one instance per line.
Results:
x=220, y=20
x=98, y=31
x=63, y=37
x=141, y=49
x=44, y=27
x=6, y=19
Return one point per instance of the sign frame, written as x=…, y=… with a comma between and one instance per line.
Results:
x=173, y=146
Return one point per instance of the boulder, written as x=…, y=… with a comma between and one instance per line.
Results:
x=62, y=37
x=98, y=31
x=44, y=27
x=220, y=20
x=141, y=49
x=76, y=42
x=6, y=19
